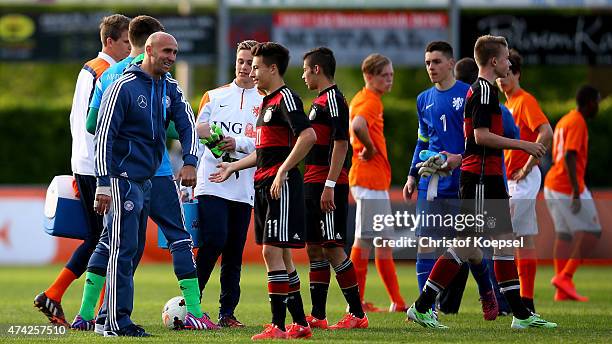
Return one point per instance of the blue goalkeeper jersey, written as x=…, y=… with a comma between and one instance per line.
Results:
x=108, y=77
x=440, y=115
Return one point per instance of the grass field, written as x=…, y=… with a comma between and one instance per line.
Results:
x=578, y=323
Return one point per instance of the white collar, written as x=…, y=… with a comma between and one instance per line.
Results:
x=106, y=57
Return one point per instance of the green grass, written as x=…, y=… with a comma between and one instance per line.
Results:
x=155, y=284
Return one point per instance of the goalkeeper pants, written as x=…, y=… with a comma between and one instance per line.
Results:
x=223, y=230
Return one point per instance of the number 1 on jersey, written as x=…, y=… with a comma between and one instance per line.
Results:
x=443, y=118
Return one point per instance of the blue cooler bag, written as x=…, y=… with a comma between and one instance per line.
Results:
x=190, y=212
x=64, y=213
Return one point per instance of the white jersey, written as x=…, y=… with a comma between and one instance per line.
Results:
x=82, y=160
x=235, y=110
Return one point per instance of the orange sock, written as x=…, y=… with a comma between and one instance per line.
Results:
x=360, y=257
x=101, y=301
x=570, y=268
x=61, y=284
x=386, y=269
x=563, y=250
x=527, y=265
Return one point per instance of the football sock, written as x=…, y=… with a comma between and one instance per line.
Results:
x=60, y=285
x=562, y=252
x=278, y=288
x=294, y=299
x=360, y=257
x=570, y=268
x=443, y=272
x=319, y=285
x=386, y=269
x=191, y=293
x=94, y=285
x=424, y=263
x=481, y=275
x=507, y=278
x=527, y=265
x=347, y=280
x=101, y=299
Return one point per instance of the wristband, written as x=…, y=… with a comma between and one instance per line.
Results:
x=330, y=184
x=103, y=190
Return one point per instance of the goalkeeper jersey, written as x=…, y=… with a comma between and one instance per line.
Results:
x=234, y=110
x=440, y=115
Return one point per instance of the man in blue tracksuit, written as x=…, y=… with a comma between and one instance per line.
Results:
x=130, y=142
x=165, y=208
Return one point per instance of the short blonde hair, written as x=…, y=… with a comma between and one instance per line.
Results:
x=374, y=64
x=246, y=45
x=487, y=47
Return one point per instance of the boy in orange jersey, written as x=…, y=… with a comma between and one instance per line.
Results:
x=567, y=197
x=370, y=176
x=524, y=177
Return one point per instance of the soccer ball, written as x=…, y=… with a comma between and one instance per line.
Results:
x=174, y=311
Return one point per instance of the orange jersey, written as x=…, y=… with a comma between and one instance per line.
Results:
x=528, y=116
x=373, y=174
x=571, y=134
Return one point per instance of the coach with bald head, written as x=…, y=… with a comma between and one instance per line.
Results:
x=130, y=141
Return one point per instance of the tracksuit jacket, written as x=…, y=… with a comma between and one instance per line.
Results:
x=131, y=131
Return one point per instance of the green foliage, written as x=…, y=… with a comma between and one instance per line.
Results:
x=36, y=139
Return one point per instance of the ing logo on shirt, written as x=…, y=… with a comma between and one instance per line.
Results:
x=457, y=103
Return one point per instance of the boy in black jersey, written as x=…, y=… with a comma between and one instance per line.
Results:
x=326, y=191
x=283, y=138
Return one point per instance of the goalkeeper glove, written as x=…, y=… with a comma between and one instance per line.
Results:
x=213, y=142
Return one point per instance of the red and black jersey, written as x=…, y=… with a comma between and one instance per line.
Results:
x=329, y=117
x=482, y=110
x=281, y=120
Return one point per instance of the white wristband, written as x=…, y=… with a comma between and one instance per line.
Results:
x=103, y=190
x=330, y=183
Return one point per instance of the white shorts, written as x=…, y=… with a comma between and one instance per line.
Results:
x=565, y=220
x=370, y=204
x=523, y=201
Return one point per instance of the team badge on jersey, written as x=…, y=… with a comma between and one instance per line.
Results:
x=313, y=114
x=268, y=115
x=457, y=102
x=141, y=101
x=167, y=102
x=128, y=205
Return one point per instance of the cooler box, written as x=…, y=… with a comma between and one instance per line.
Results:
x=190, y=212
x=64, y=213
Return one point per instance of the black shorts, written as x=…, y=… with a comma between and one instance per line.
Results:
x=488, y=202
x=280, y=222
x=326, y=229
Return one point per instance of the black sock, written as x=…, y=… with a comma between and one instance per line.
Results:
x=319, y=285
x=294, y=300
x=278, y=285
x=512, y=292
x=347, y=279
x=529, y=304
x=427, y=297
